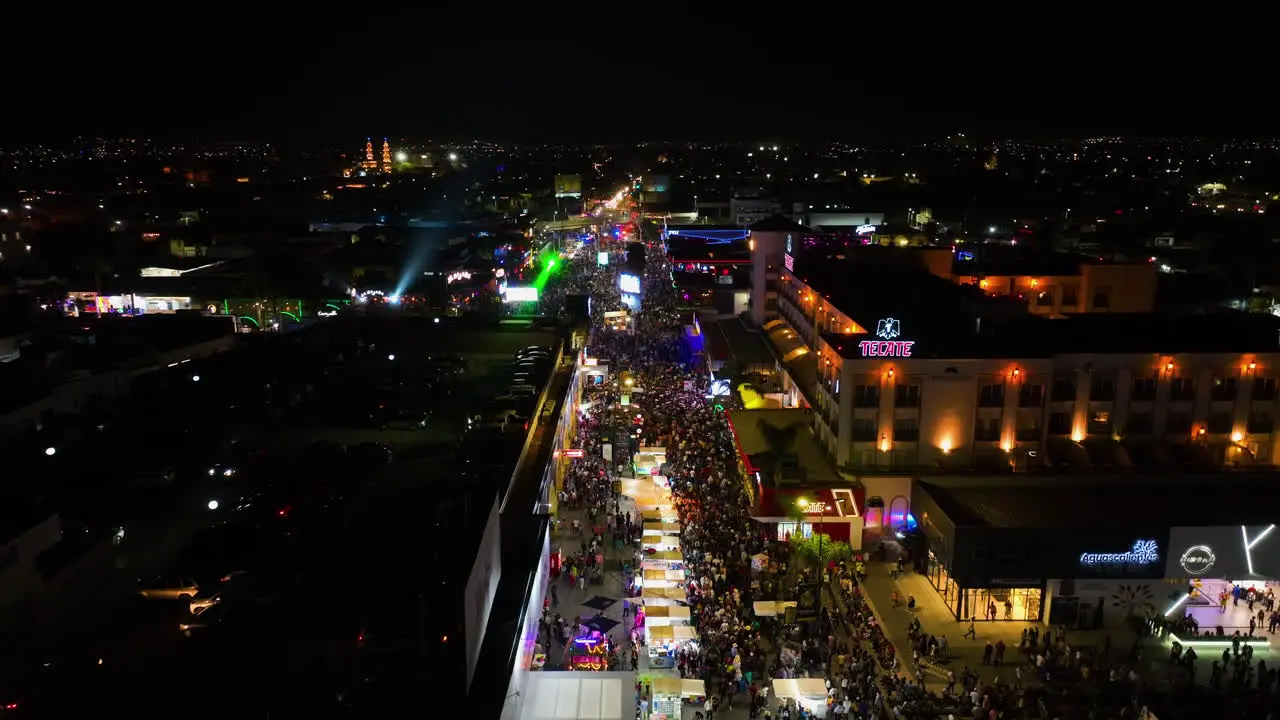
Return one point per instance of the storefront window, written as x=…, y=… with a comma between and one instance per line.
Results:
x=942, y=582
x=786, y=529
x=1002, y=604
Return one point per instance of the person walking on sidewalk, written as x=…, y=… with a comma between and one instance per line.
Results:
x=972, y=632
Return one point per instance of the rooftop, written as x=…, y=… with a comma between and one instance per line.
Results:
x=1014, y=261
x=729, y=339
x=1073, y=501
x=751, y=430
x=777, y=223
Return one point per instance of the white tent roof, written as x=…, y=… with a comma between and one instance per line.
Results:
x=579, y=696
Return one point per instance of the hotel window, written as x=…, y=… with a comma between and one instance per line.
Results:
x=1182, y=389
x=866, y=396
x=907, y=396
x=1045, y=299
x=906, y=430
x=987, y=430
x=1059, y=423
x=1144, y=389
x=1102, y=389
x=1100, y=422
x=1177, y=423
x=1224, y=389
x=1260, y=421
x=1031, y=395
x=1064, y=389
x=991, y=395
x=1141, y=423
x=1219, y=423
x=1264, y=388
x=864, y=429
x=1070, y=297
x=1028, y=429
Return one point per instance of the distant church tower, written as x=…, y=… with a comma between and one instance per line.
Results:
x=369, y=162
x=386, y=156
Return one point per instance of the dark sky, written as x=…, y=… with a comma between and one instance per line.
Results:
x=638, y=70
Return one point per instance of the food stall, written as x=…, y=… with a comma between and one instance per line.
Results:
x=659, y=543
x=649, y=497
x=809, y=693
x=664, y=641
x=670, y=694
x=669, y=560
x=667, y=596
x=649, y=461
x=659, y=615
x=656, y=527
x=662, y=578
x=772, y=608
x=660, y=514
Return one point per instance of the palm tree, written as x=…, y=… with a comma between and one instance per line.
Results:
x=781, y=443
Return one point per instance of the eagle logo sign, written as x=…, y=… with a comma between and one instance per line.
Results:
x=888, y=329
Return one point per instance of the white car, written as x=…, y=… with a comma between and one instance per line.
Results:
x=162, y=588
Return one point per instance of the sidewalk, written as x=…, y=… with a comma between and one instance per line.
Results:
x=937, y=619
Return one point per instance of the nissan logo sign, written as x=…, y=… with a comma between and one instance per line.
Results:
x=1198, y=559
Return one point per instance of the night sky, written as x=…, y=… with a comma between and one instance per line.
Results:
x=638, y=71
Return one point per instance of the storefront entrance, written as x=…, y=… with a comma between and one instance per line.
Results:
x=1013, y=604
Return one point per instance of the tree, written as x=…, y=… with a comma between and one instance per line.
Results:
x=820, y=549
x=781, y=442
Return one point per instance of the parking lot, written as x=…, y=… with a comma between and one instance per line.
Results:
x=299, y=494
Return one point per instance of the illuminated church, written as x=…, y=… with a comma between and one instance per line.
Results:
x=372, y=164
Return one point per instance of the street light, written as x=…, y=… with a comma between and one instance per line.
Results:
x=51, y=451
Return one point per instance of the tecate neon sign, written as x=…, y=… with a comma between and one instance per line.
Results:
x=865, y=229
x=888, y=330
x=1144, y=552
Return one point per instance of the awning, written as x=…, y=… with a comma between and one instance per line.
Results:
x=668, y=575
x=571, y=695
x=668, y=555
x=772, y=608
x=655, y=527
x=684, y=687
x=676, y=633
x=666, y=594
x=673, y=612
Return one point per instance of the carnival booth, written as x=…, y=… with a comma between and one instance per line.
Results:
x=656, y=527
x=809, y=693
x=772, y=608
x=666, y=514
x=649, y=461
x=665, y=596
x=670, y=694
x=664, y=641
x=660, y=615
x=660, y=543
x=590, y=650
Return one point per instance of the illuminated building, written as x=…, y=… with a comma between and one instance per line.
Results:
x=386, y=156
x=370, y=163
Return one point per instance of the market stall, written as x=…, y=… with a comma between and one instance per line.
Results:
x=659, y=543
x=660, y=514
x=664, y=641
x=649, y=461
x=772, y=608
x=660, y=615
x=670, y=694
x=809, y=693
x=654, y=527
x=649, y=497
x=662, y=596
x=662, y=578
x=590, y=650
x=669, y=560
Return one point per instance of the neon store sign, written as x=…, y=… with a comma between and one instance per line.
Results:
x=888, y=330
x=1143, y=552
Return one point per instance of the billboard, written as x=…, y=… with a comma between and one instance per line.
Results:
x=629, y=284
x=1228, y=552
x=602, y=259
x=519, y=294
x=568, y=186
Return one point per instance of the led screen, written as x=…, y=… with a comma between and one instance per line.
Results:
x=520, y=294
x=629, y=284
x=1227, y=552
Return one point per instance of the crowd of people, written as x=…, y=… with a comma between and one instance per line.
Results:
x=737, y=653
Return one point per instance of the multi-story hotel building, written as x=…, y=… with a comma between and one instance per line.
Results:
x=906, y=368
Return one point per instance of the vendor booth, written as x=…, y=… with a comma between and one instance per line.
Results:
x=670, y=694
x=660, y=615
x=649, y=461
x=649, y=497
x=590, y=651
x=809, y=693
x=772, y=608
x=659, y=543
x=655, y=527
x=660, y=514
x=669, y=560
x=663, y=596
x=665, y=641
x=662, y=578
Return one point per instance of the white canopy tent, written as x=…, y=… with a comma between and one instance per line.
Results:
x=772, y=608
x=579, y=696
x=809, y=692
